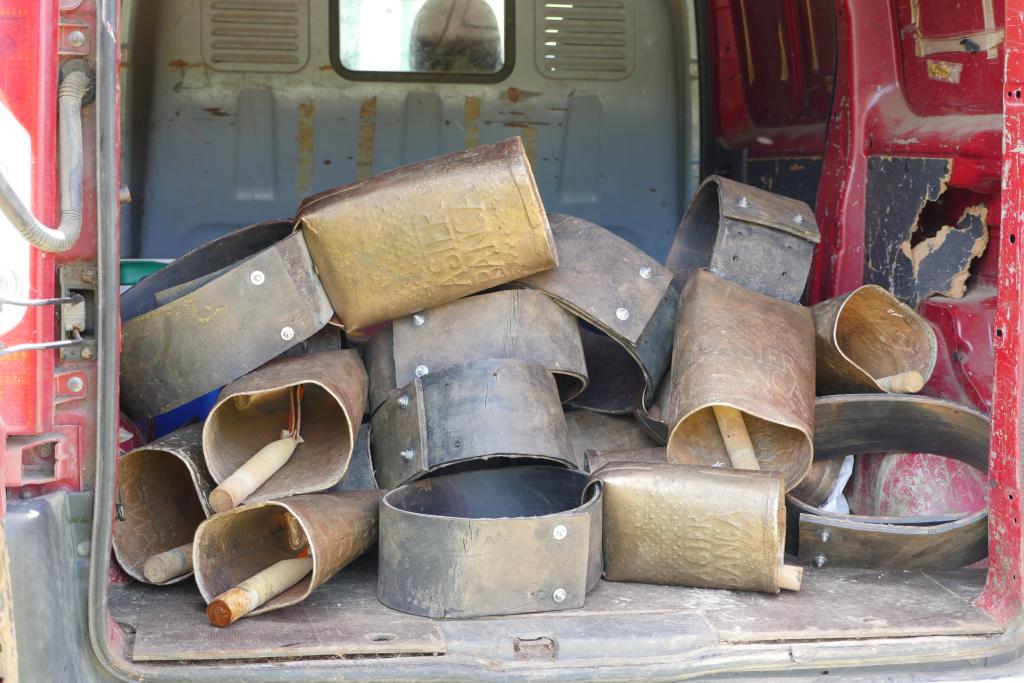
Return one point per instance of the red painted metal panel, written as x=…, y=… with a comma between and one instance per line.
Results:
x=953, y=81
x=28, y=84
x=1003, y=594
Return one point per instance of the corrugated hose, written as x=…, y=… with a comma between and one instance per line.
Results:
x=69, y=101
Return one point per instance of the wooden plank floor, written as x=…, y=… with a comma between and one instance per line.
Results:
x=343, y=617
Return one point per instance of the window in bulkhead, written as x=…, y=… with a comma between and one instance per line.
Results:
x=422, y=38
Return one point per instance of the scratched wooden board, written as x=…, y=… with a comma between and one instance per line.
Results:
x=342, y=617
x=832, y=604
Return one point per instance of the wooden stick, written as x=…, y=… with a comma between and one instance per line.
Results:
x=737, y=440
x=239, y=601
x=296, y=536
x=790, y=577
x=169, y=564
x=909, y=382
x=252, y=474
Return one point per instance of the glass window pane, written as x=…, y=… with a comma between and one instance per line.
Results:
x=422, y=36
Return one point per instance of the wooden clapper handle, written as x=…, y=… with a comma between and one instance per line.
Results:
x=239, y=601
x=253, y=474
x=170, y=564
x=741, y=454
x=909, y=382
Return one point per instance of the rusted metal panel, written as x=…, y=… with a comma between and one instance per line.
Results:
x=162, y=491
x=693, y=526
x=233, y=546
x=747, y=235
x=179, y=322
x=253, y=410
x=515, y=323
x=737, y=348
x=627, y=296
x=872, y=423
x=488, y=409
x=490, y=542
x=428, y=233
x=866, y=335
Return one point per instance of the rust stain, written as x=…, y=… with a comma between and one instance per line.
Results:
x=327, y=67
x=948, y=72
x=471, y=122
x=515, y=94
x=367, y=133
x=215, y=111
x=306, y=135
x=182, y=64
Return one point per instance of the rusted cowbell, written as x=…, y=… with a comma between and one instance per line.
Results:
x=484, y=413
x=742, y=350
x=162, y=491
x=684, y=525
x=752, y=237
x=252, y=412
x=332, y=529
x=428, y=233
x=628, y=300
x=868, y=340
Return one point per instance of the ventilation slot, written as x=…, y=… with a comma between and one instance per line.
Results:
x=588, y=39
x=255, y=35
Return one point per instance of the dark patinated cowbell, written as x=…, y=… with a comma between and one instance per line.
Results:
x=852, y=424
x=496, y=410
x=747, y=235
x=626, y=302
x=177, y=323
x=513, y=323
x=868, y=340
x=490, y=542
x=744, y=351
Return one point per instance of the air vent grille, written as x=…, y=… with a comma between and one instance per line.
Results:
x=255, y=35
x=586, y=39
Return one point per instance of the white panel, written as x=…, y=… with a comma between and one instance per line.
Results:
x=16, y=165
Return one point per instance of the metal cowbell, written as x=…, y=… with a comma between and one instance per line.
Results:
x=490, y=542
x=428, y=233
x=741, y=350
x=626, y=301
x=481, y=413
x=854, y=424
x=253, y=410
x=868, y=340
x=755, y=238
x=180, y=324
x=333, y=529
x=162, y=491
x=515, y=323
x=697, y=526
